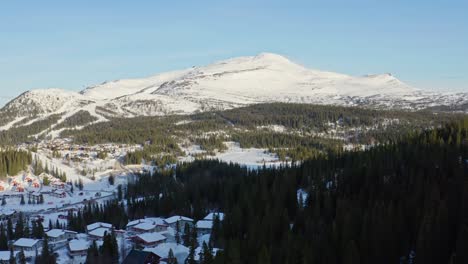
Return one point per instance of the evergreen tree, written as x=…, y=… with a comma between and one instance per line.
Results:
x=21, y=257
x=207, y=254
x=171, y=259
x=187, y=236
x=10, y=233
x=12, y=257
x=177, y=235
x=19, y=228
x=22, y=200
x=92, y=255
x=3, y=238
x=46, y=257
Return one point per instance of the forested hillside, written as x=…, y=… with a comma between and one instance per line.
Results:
x=293, y=131
x=402, y=202
x=13, y=161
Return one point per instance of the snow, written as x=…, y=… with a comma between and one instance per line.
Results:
x=211, y=216
x=99, y=232
x=145, y=226
x=250, y=157
x=55, y=233
x=176, y=218
x=223, y=85
x=78, y=245
x=180, y=252
x=204, y=224
x=152, y=237
x=25, y=242
x=5, y=255
x=96, y=225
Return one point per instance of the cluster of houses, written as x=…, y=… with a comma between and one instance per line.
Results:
x=149, y=237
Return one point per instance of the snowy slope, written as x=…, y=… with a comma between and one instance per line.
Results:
x=226, y=84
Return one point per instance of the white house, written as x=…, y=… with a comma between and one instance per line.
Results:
x=182, y=220
x=55, y=235
x=27, y=244
x=96, y=231
x=212, y=216
x=148, y=239
x=78, y=247
x=204, y=227
x=96, y=225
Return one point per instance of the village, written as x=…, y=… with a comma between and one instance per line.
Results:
x=72, y=177
x=147, y=240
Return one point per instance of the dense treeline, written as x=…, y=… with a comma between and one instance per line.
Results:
x=78, y=119
x=403, y=202
x=308, y=129
x=23, y=133
x=13, y=161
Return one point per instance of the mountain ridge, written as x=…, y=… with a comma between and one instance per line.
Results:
x=226, y=84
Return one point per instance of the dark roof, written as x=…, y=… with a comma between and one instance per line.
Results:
x=138, y=256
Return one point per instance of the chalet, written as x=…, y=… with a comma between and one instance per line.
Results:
x=148, y=239
x=55, y=235
x=204, y=227
x=96, y=225
x=212, y=216
x=182, y=220
x=59, y=194
x=78, y=247
x=141, y=257
x=27, y=244
x=58, y=185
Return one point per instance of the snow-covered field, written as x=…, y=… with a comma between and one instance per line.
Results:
x=250, y=157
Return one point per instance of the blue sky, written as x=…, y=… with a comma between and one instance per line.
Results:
x=73, y=44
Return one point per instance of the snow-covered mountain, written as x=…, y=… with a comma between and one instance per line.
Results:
x=226, y=84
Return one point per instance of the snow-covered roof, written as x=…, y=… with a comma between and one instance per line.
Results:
x=204, y=224
x=177, y=218
x=25, y=242
x=180, y=252
x=151, y=237
x=99, y=232
x=135, y=222
x=5, y=255
x=145, y=226
x=78, y=245
x=211, y=216
x=55, y=233
x=97, y=225
x=156, y=220
x=7, y=211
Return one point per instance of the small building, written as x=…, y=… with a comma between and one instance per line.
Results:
x=58, y=185
x=144, y=227
x=55, y=235
x=99, y=233
x=182, y=220
x=27, y=244
x=141, y=257
x=148, y=239
x=96, y=231
x=212, y=216
x=204, y=227
x=59, y=194
x=78, y=247
x=96, y=225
